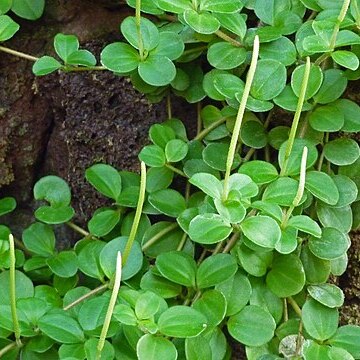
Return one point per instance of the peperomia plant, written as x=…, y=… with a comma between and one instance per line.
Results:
x=247, y=245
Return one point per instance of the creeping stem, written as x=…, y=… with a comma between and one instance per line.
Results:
x=138, y=28
x=240, y=115
x=295, y=122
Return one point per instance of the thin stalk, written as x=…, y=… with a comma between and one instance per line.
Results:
x=83, y=68
x=168, y=106
x=7, y=348
x=233, y=240
x=249, y=154
x=228, y=38
x=301, y=188
x=201, y=135
x=138, y=28
x=218, y=248
x=158, y=236
x=239, y=118
x=294, y=305
x=286, y=313
x=110, y=310
x=78, y=229
x=339, y=20
x=182, y=242
x=176, y=170
x=12, y=292
x=91, y=293
x=18, y=54
x=138, y=212
x=297, y=115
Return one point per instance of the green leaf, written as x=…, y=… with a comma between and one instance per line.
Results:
x=322, y=186
x=198, y=348
x=335, y=353
x=158, y=179
x=342, y=151
x=208, y=183
x=169, y=202
x=160, y=285
x=215, y=270
x=39, y=239
x=347, y=337
x=109, y=253
x=149, y=33
x=125, y=314
x=170, y=45
x=332, y=87
x=261, y=172
x=177, y=7
x=212, y=304
x=224, y=56
x=340, y=218
x=252, y=326
x=231, y=210
x=288, y=241
x=178, y=267
x=176, y=150
x=157, y=70
x=327, y=294
x=153, y=155
x=253, y=134
x=319, y=321
x=181, y=322
x=103, y=222
x=269, y=79
x=351, y=112
x=64, y=264
x=237, y=292
x=282, y=49
x=24, y=288
x=221, y=6
x=347, y=190
x=151, y=347
x=232, y=22
x=61, y=327
x=327, y=118
x=45, y=65
x=107, y=353
x=54, y=190
x=81, y=57
x=270, y=209
x=215, y=155
x=160, y=135
x=54, y=215
x=227, y=85
x=255, y=263
x=105, y=179
x=28, y=9
x=332, y=244
x=92, y=313
x=346, y=59
x=32, y=309
x=120, y=58
x=286, y=277
x=203, y=23
x=317, y=270
x=315, y=80
x=288, y=101
x=8, y=27
x=7, y=205
x=261, y=230
x=305, y=224
x=209, y=229
x=266, y=10
x=5, y=6
x=147, y=305
x=65, y=45
x=88, y=259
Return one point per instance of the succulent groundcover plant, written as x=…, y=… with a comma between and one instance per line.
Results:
x=246, y=243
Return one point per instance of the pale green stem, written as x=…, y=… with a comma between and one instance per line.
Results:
x=110, y=310
x=168, y=106
x=210, y=128
x=78, y=229
x=339, y=20
x=182, y=242
x=301, y=188
x=294, y=305
x=18, y=54
x=12, y=291
x=239, y=118
x=7, y=348
x=158, y=236
x=297, y=115
x=228, y=38
x=138, y=28
x=176, y=170
x=138, y=212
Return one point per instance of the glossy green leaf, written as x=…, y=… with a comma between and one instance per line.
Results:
x=120, y=58
x=7, y=205
x=208, y=183
x=305, y=224
x=153, y=155
x=24, y=287
x=125, y=314
x=267, y=10
x=346, y=59
x=105, y=179
x=61, y=327
x=28, y=9
x=197, y=348
x=158, y=179
x=54, y=215
x=103, y=222
x=88, y=259
x=253, y=134
x=182, y=321
x=151, y=347
x=286, y=277
x=39, y=239
x=288, y=241
x=327, y=118
x=215, y=155
x=332, y=87
x=351, y=112
x=157, y=70
x=215, y=270
x=45, y=65
x=315, y=80
x=170, y=45
x=5, y=6
x=147, y=305
x=225, y=56
x=107, y=352
x=54, y=190
x=177, y=7
x=322, y=186
x=160, y=285
x=81, y=57
x=64, y=264
x=319, y=321
x=342, y=151
x=269, y=79
x=347, y=337
x=168, y=202
x=209, y=229
x=282, y=191
x=347, y=188
x=221, y=6
x=176, y=150
x=203, y=23
x=252, y=326
x=332, y=244
x=335, y=353
x=65, y=45
x=261, y=172
x=282, y=50
x=327, y=294
x=340, y=218
x=8, y=27
x=92, y=313
x=232, y=22
x=178, y=267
